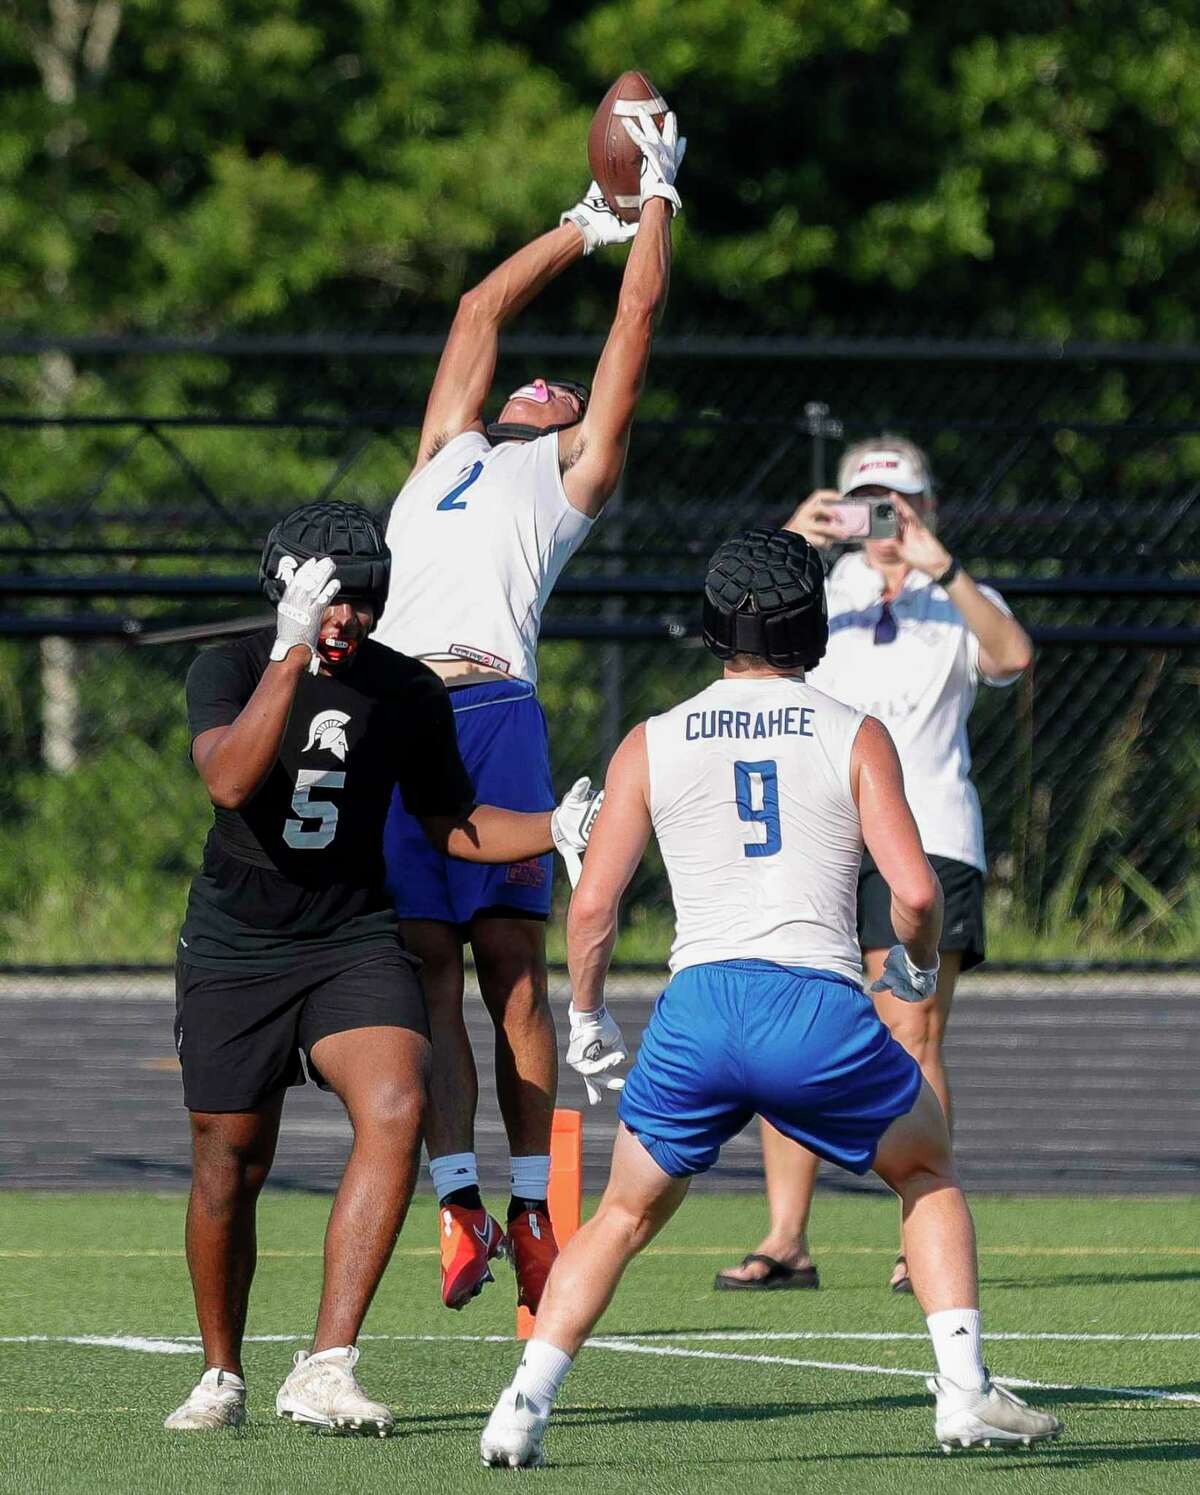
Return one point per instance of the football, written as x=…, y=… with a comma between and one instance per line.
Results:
x=615, y=160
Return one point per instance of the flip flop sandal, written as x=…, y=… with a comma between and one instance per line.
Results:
x=777, y=1278
x=905, y=1283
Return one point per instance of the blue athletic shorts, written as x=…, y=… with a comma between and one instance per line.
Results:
x=504, y=744
x=805, y=1049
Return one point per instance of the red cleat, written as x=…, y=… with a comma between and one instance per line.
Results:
x=532, y=1250
x=470, y=1238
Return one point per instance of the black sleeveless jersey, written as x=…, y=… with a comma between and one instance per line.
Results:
x=299, y=869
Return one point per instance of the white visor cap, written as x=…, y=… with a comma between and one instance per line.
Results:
x=885, y=469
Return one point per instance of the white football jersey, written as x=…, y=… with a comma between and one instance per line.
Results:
x=478, y=538
x=751, y=804
x=921, y=686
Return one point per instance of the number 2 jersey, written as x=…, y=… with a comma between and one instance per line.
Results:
x=478, y=538
x=298, y=871
x=751, y=803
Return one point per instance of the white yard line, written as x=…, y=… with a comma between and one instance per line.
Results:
x=888, y=1336
x=630, y=1347
x=635, y=1345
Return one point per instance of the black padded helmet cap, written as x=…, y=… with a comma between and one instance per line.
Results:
x=765, y=594
x=346, y=533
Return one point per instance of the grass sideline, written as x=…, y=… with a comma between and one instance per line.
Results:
x=87, y=1417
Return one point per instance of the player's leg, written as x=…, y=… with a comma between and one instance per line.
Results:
x=419, y=882
x=639, y=1200
x=510, y=961
x=502, y=733
x=914, y=1158
x=782, y=1259
x=380, y=1076
x=231, y=1157
x=681, y=1102
x=468, y=1238
x=366, y=1035
x=921, y=1028
x=235, y=1033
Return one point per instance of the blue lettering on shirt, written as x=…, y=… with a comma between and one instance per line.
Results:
x=791, y=721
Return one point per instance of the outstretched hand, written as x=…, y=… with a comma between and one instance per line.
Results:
x=597, y=222
x=571, y=824
x=662, y=154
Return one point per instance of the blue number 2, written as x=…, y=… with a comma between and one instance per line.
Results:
x=451, y=499
x=766, y=773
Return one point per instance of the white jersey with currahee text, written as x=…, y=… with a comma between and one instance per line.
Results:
x=478, y=538
x=751, y=803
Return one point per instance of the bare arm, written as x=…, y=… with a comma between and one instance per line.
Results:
x=593, y=453
x=488, y=834
x=1004, y=646
x=468, y=362
x=233, y=761
x=891, y=836
x=616, y=846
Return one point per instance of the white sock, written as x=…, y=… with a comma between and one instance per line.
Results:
x=959, y=1349
x=531, y=1176
x=542, y=1371
x=453, y=1170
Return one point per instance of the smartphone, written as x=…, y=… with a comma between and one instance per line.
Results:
x=859, y=519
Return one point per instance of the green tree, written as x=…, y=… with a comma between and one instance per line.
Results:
x=1020, y=168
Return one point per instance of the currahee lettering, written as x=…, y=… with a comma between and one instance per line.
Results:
x=788, y=721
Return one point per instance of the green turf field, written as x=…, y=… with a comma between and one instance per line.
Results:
x=789, y=1397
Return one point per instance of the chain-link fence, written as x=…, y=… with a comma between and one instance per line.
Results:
x=136, y=483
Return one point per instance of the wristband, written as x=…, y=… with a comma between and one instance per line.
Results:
x=949, y=573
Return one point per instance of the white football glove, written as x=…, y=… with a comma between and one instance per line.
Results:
x=597, y=222
x=662, y=154
x=308, y=591
x=904, y=979
x=596, y=1048
x=571, y=824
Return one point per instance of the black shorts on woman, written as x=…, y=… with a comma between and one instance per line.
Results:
x=962, y=923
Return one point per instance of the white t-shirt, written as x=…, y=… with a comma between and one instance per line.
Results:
x=921, y=686
x=478, y=538
x=751, y=803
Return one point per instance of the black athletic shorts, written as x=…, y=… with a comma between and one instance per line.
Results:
x=962, y=926
x=239, y=1034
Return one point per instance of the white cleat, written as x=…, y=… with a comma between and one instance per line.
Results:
x=991, y=1416
x=514, y=1432
x=323, y=1392
x=217, y=1400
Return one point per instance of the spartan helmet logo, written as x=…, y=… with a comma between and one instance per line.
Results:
x=328, y=734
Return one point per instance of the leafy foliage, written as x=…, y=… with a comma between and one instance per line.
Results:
x=1022, y=168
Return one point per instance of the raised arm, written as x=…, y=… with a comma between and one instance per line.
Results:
x=617, y=844
x=235, y=757
x=1005, y=649
x=234, y=760
x=892, y=838
x=593, y=453
x=468, y=363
